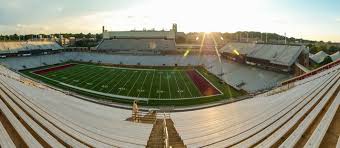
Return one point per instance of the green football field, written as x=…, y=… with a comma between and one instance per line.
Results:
x=137, y=83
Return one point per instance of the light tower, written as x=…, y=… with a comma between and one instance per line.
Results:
x=174, y=27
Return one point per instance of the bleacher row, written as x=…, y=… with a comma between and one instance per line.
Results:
x=297, y=117
x=137, y=44
x=13, y=47
x=249, y=78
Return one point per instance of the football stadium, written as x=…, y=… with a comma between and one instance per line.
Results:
x=144, y=88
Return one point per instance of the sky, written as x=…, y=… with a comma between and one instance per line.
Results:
x=308, y=19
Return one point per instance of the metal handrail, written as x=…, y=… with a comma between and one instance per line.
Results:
x=166, y=135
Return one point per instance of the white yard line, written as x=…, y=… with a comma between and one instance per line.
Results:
x=160, y=85
x=117, y=82
x=103, y=74
x=128, y=68
x=91, y=77
x=115, y=76
x=62, y=73
x=118, y=96
x=153, y=75
x=134, y=84
x=185, y=84
x=104, y=94
x=180, y=94
x=147, y=73
x=127, y=81
x=71, y=76
x=52, y=67
x=115, y=71
x=167, y=74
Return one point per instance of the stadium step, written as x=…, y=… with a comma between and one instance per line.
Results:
x=156, y=136
x=175, y=140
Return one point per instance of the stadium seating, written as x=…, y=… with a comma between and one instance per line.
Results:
x=14, y=47
x=137, y=44
x=248, y=122
x=44, y=117
x=250, y=79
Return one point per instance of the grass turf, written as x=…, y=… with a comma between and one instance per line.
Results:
x=159, y=85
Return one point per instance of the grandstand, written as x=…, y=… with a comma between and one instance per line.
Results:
x=269, y=56
x=135, y=45
x=306, y=114
x=25, y=48
x=248, y=78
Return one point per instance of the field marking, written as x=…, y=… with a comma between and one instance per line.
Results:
x=77, y=70
x=103, y=74
x=127, y=81
x=104, y=94
x=116, y=96
x=95, y=75
x=160, y=84
x=117, y=82
x=115, y=71
x=180, y=93
x=110, y=81
x=72, y=75
x=89, y=76
x=153, y=75
x=185, y=84
x=167, y=74
x=147, y=73
x=141, y=69
x=134, y=84
x=63, y=72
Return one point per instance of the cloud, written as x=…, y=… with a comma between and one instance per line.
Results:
x=337, y=20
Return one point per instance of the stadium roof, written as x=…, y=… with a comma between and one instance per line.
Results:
x=276, y=54
x=335, y=56
x=321, y=55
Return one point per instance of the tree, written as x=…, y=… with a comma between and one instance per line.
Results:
x=326, y=60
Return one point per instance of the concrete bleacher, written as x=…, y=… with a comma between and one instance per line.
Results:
x=16, y=46
x=263, y=120
x=137, y=44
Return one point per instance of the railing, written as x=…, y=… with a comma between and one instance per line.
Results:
x=150, y=116
x=166, y=135
x=313, y=72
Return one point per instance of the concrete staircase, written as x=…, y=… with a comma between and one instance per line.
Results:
x=156, y=139
x=156, y=136
x=175, y=141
